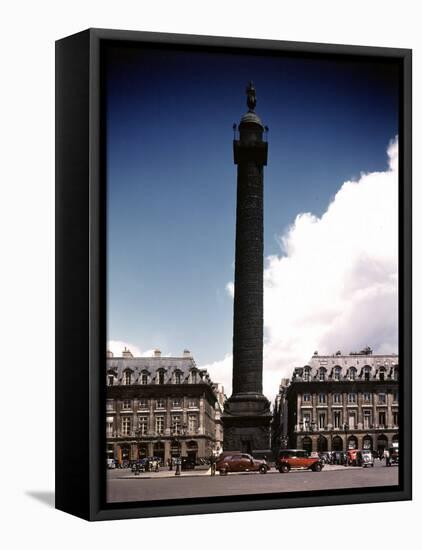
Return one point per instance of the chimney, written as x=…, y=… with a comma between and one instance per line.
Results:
x=127, y=354
x=186, y=353
x=157, y=353
x=109, y=354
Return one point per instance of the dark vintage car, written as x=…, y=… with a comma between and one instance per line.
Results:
x=240, y=462
x=188, y=463
x=392, y=456
x=297, y=459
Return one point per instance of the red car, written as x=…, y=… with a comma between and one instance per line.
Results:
x=240, y=462
x=296, y=459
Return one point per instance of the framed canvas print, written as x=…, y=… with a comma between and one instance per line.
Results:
x=233, y=274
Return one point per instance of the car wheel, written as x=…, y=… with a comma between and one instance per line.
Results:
x=223, y=472
x=263, y=469
x=284, y=468
x=317, y=467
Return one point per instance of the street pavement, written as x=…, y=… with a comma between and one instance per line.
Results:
x=123, y=486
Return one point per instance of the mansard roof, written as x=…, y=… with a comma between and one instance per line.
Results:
x=153, y=365
x=346, y=363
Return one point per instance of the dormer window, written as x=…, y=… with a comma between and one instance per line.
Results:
x=367, y=373
x=127, y=378
x=178, y=378
x=322, y=372
x=337, y=372
x=194, y=377
x=382, y=374
x=352, y=373
x=395, y=373
x=161, y=377
x=306, y=374
x=144, y=378
x=110, y=380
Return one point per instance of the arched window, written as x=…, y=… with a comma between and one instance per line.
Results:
x=144, y=378
x=194, y=377
x=367, y=372
x=127, y=378
x=337, y=373
x=322, y=373
x=178, y=377
x=161, y=376
x=382, y=374
x=307, y=374
x=352, y=373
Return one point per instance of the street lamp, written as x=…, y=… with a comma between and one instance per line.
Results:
x=345, y=428
x=177, y=442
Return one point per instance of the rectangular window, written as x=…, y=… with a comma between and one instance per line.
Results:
x=395, y=397
x=322, y=398
x=381, y=398
x=352, y=421
x=109, y=427
x=395, y=418
x=352, y=398
x=110, y=404
x=367, y=420
x=321, y=421
x=143, y=425
x=160, y=404
x=337, y=398
x=193, y=403
x=176, y=424
x=143, y=403
x=127, y=404
x=126, y=425
x=382, y=419
x=159, y=424
x=306, y=397
x=128, y=378
x=367, y=397
x=144, y=378
x=176, y=403
x=193, y=423
x=337, y=419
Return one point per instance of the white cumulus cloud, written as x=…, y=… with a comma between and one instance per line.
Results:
x=334, y=285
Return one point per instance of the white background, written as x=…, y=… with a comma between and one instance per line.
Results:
x=28, y=32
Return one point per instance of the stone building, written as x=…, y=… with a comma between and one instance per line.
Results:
x=340, y=401
x=160, y=406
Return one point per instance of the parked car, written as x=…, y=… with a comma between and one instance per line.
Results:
x=296, y=459
x=240, y=462
x=392, y=457
x=367, y=458
x=188, y=463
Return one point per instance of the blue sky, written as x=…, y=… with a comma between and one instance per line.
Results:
x=171, y=180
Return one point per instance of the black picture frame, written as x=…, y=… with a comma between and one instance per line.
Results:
x=81, y=280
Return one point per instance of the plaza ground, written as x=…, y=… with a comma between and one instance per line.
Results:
x=123, y=486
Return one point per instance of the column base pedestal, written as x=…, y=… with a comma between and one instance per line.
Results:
x=246, y=423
